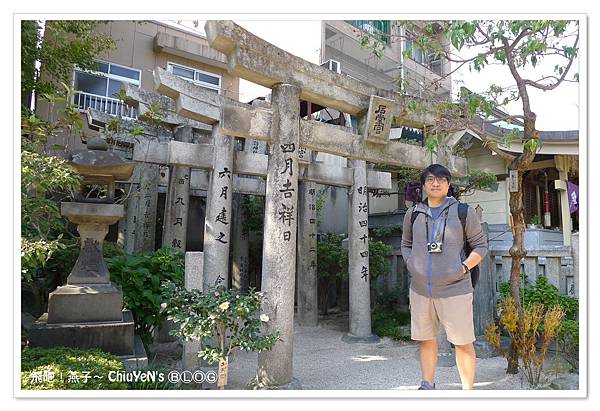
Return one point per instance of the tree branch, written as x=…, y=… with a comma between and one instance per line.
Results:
x=503, y=119
x=560, y=80
x=517, y=40
x=492, y=144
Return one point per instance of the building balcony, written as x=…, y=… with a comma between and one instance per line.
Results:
x=108, y=105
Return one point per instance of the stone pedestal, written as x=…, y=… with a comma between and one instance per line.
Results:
x=115, y=337
x=88, y=311
x=90, y=302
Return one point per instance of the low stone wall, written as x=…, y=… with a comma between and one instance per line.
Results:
x=552, y=262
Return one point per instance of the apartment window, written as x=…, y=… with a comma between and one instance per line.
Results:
x=429, y=59
x=98, y=88
x=380, y=29
x=332, y=65
x=209, y=81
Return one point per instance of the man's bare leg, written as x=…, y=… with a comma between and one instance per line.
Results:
x=428, y=354
x=465, y=361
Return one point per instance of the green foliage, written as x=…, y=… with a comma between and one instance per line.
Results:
x=535, y=219
x=44, y=180
x=379, y=263
x=388, y=320
x=476, y=180
x=255, y=213
x=333, y=258
x=515, y=42
x=391, y=324
x=223, y=316
x=42, y=176
x=43, y=230
x=532, y=332
x=387, y=231
x=153, y=116
x=64, y=364
x=568, y=342
x=63, y=44
x=140, y=277
x=542, y=292
x=35, y=254
x=533, y=145
x=433, y=142
x=116, y=126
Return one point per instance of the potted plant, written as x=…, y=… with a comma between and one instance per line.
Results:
x=226, y=320
x=535, y=221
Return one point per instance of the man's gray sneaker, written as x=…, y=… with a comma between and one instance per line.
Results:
x=425, y=385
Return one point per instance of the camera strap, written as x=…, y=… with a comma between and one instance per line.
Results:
x=433, y=233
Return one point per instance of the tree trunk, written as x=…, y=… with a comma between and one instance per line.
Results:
x=517, y=250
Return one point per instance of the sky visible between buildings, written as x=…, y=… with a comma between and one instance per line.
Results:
x=556, y=110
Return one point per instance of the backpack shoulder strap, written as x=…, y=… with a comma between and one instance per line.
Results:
x=413, y=214
x=463, y=209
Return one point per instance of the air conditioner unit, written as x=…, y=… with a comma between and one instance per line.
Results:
x=332, y=65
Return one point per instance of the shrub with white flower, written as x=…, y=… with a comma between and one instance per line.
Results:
x=225, y=320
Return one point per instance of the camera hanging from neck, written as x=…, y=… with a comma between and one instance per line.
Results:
x=432, y=232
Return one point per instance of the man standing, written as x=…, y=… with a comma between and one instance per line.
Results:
x=441, y=289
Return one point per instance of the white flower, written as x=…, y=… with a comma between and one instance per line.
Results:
x=264, y=318
x=163, y=305
x=224, y=306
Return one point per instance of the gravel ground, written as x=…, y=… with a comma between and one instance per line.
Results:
x=322, y=361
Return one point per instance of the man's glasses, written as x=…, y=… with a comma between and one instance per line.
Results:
x=439, y=180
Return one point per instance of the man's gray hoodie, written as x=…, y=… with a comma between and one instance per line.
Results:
x=439, y=275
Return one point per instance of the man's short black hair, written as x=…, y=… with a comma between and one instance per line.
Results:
x=436, y=170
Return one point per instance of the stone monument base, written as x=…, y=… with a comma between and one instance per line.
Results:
x=85, y=303
x=351, y=338
x=139, y=359
x=115, y=337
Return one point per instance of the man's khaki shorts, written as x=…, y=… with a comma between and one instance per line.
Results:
x=455, y=313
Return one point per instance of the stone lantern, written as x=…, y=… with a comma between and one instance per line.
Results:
x=88, y=312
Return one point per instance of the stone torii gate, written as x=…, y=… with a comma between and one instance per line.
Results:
x=176, y=154
x=292, y=79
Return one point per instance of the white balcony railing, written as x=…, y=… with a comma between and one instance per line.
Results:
x=108, y=105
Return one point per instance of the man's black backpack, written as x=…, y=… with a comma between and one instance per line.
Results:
x=462, y=215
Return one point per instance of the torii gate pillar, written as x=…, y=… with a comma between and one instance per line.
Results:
x=279, y=247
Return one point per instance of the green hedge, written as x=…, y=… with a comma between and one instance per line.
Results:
x=140, y=277
x=69, y=366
